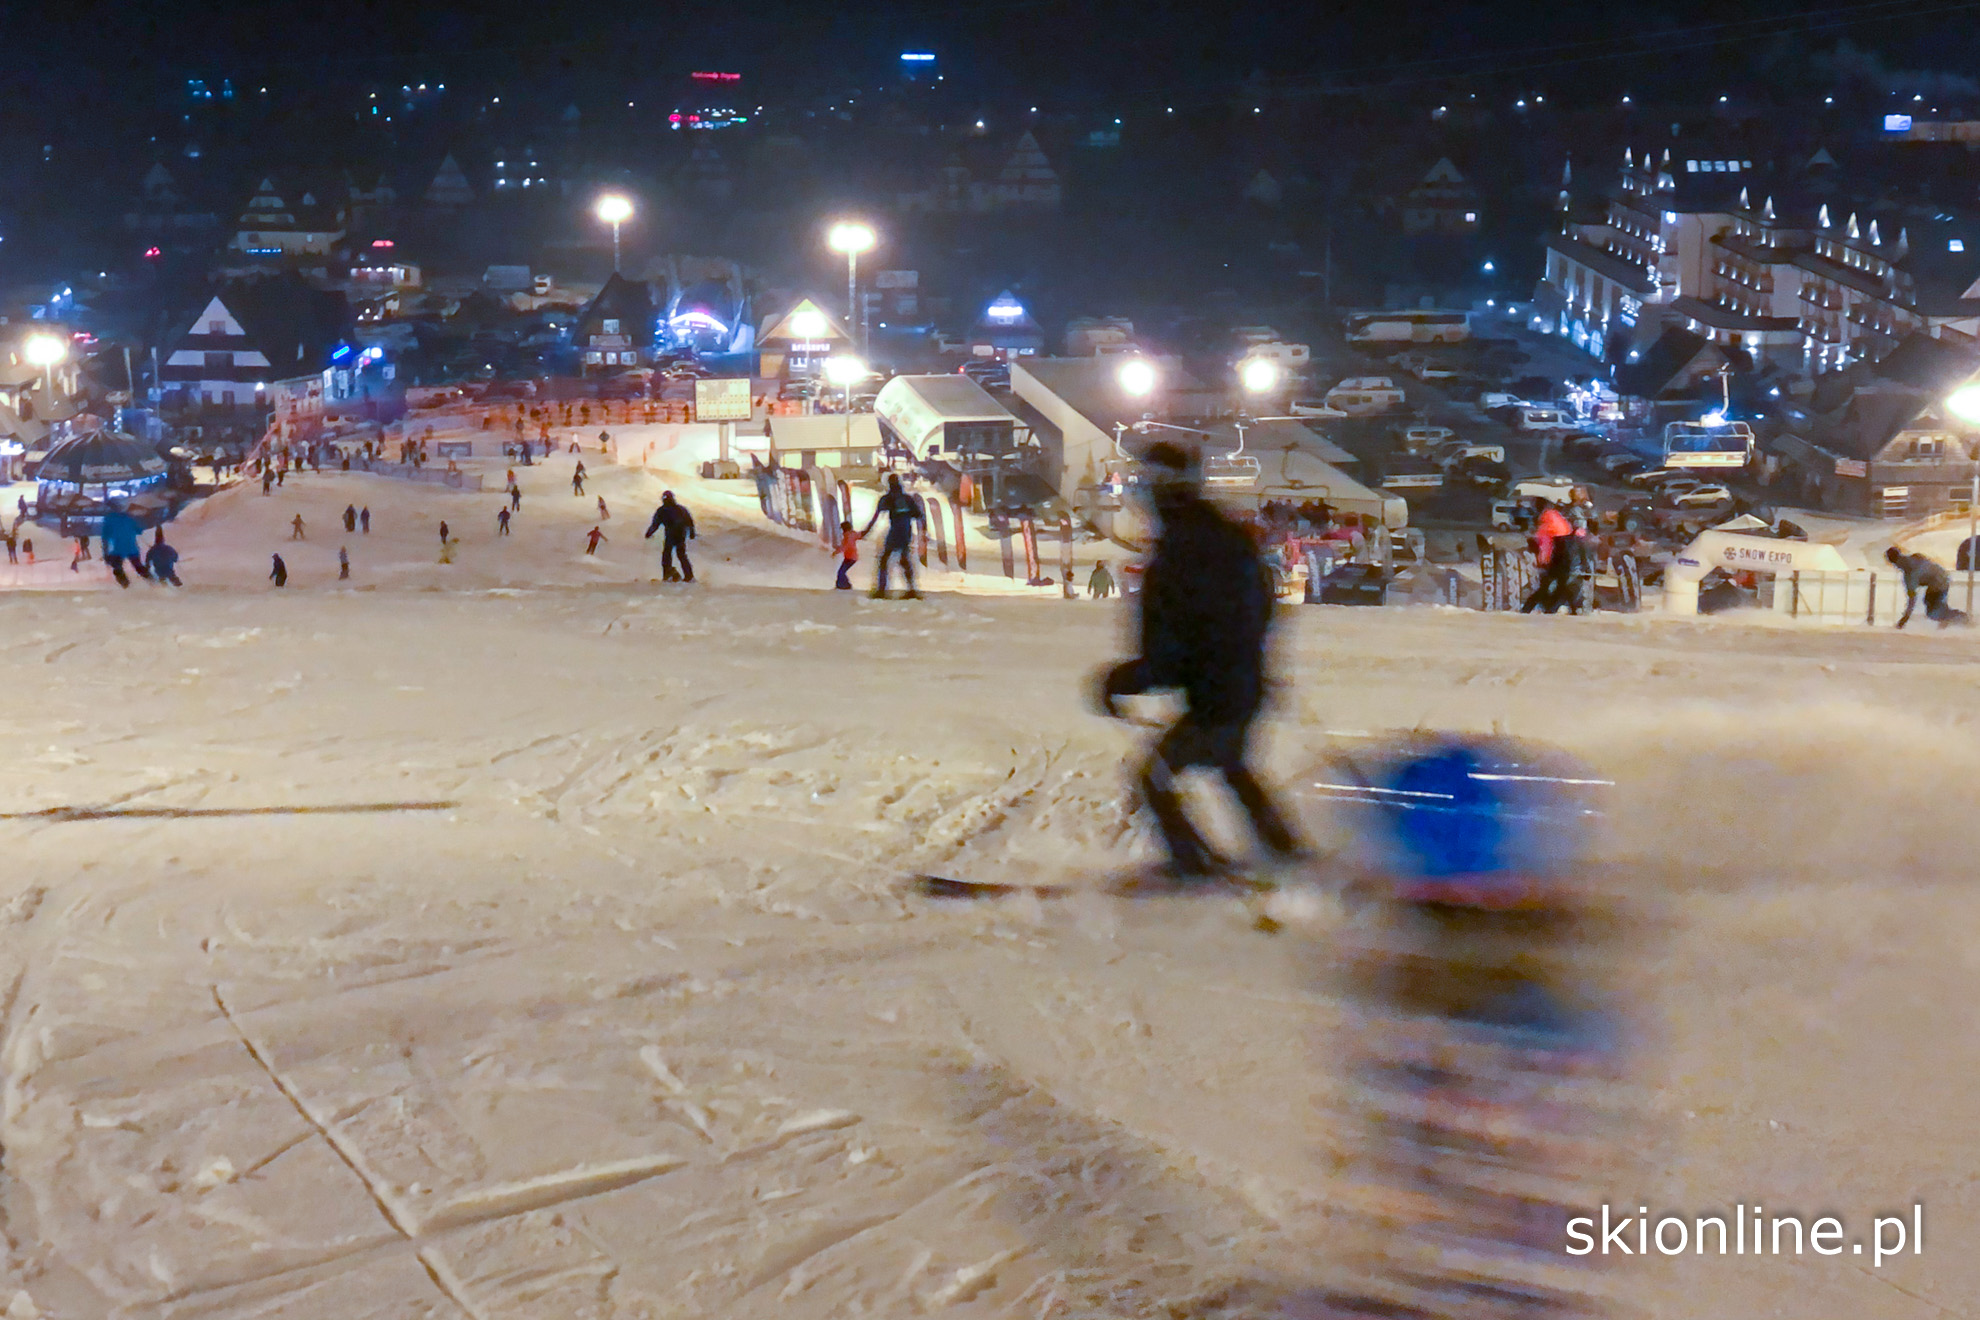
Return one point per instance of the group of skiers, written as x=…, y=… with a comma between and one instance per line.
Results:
x=121, y=549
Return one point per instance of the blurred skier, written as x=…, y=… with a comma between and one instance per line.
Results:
x=350, y=517
x=501, y=522
x=1101, y=584
x=592, y=538
x=443, y=531
x=364, y=519
x=279, y=574
x=603, y=512
x=1923, y=576
x=1206, y=607
x=296, y=529
x=343, y=563
x=120, y=543
x=902, y=513
x=678, y=525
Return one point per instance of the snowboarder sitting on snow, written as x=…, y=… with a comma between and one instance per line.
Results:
x=1923, y=575
x=903, y=512
x=1205, y=611
x=678, y=525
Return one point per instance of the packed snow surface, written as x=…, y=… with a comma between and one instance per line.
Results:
x=522, y=950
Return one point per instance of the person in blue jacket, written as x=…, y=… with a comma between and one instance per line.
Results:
x=120, y=544
x=163, y=561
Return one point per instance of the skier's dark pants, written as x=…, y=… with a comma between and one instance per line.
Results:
x=1555, y=588
x=675, y=545
x=895, y=545
x=1220, y=747
x=116, y=565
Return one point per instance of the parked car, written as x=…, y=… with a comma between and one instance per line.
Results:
x=1583, y=444
x=1542, y=420
x=947, y=343
x=1704, y=497
x=1512, y=515
x=1616, y=459
x=1485, y=473
x=1315, y=408
x=1423, y=439
x=1557, y=489
x=1651, y=477
x=1491, y=399
x=1463, y=453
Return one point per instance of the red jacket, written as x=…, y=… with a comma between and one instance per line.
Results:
x=1552, y=526
x=849, y=546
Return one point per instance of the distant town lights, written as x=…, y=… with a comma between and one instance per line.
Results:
x=1489, y=267
x=1137, y=376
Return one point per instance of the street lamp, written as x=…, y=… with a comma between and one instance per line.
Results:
x=846, y=371
x=614, y=209
x=45, y=351
x=1259, y=375
x=1138, y=377
x=1964, y=403
x=852, y=237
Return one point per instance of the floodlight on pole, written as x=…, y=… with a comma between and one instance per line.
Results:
x=1964, y=403
x=853, y=237
x=1137, y=376
x=614, y=209
x=845, y=371
x=46, y=351
x=1259, y=375
x=809, y=324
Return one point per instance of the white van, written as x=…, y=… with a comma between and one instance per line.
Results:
x=1279, y=351
x=1542, y=420
x=1365, y=396
x=1559, y=490
x=1423, y=439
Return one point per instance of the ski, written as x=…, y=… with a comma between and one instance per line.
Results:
x=1135, y=884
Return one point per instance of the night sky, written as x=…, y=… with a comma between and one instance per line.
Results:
x=1156, y=49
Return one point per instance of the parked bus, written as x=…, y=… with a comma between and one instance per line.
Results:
x=1704, y=445
x=1408, y=327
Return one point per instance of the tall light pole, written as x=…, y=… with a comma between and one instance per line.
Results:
x=614, y=209
x=45, y=351
x=852, y=237
x=1964, y=403
x=846, y=372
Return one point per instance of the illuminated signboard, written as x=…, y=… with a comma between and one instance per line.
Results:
x=1897, y=123
x=724, y=400
x=916, y=57
x=716, y=77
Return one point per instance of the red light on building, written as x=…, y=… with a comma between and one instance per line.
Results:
x=151, y=254
x=716, y=77
x=383, y=242
x=674, y=118
x=694, y=119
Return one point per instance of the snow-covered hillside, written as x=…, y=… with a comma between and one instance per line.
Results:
x=519, y=951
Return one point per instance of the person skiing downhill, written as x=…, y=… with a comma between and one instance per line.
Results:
x=1206, y=608
x=677, y=524
x=592, y=538
x=120, y=544
x=902, y=512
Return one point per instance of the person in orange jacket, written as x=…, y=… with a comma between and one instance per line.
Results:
x=848, y=555
x=1550, y=531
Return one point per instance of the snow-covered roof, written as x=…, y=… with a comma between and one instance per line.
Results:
x=918, y=407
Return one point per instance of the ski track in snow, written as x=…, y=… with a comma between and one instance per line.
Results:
x=642, y=1025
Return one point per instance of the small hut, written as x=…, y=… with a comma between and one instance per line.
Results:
x=83, y=475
